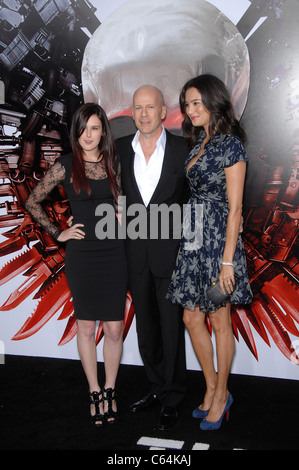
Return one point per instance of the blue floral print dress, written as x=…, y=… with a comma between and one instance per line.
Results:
x=199, y=258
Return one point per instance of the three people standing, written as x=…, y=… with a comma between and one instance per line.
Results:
x=165, y=276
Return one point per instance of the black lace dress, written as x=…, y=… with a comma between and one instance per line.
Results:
x=96, y=268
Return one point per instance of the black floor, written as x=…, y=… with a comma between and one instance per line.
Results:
x=44, y=406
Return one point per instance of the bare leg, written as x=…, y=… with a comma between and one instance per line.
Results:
x=225, y=347
x=112, y=351
x=88, y=355
x=87, y=352
x=203, y=347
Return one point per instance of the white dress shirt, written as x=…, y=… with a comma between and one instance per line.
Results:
x=148, y=175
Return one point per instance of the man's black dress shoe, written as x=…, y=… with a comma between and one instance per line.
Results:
x=145, y=402
x=168, y=418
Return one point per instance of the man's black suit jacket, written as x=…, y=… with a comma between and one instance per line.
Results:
x=172, y=188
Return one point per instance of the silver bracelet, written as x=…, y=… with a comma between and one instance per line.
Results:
x=227, y=264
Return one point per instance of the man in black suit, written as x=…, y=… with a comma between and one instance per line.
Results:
x=153, y=178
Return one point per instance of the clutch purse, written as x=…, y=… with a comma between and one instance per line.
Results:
x=215, y=294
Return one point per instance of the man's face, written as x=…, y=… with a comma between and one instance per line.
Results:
x=148, y=111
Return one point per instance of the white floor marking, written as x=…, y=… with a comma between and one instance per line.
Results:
x=200, y=446
x=156, y=442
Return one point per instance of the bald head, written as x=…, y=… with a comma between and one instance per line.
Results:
x=149, y=89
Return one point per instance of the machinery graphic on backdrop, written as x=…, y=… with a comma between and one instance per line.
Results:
x=42, y=44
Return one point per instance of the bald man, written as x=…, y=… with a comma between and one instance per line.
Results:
x=152, y=168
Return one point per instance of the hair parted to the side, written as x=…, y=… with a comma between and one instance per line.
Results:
x=216, y=99
x=107, y=148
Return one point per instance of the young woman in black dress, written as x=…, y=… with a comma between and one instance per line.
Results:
x=95, y=266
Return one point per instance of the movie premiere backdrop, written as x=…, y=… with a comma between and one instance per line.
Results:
x=57, y=54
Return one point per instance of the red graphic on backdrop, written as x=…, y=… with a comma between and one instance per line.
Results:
x=273, y=276
x=42, y=90
x=44, y=272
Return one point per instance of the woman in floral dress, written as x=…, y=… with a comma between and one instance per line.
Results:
x=211, y=247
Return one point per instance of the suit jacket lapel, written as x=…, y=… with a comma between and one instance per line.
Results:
x=167, y=172
x=132, y=176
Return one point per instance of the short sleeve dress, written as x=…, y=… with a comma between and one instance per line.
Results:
x=96, y=268
x=199, y=258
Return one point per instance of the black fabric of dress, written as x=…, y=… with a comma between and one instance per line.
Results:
x=96, y=269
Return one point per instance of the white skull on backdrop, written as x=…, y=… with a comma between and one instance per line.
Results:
x=163, y=43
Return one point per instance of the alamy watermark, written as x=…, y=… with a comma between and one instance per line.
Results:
x=159, y=221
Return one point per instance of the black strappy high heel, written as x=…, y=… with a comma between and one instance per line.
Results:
x=96, y=398
x=110, y=415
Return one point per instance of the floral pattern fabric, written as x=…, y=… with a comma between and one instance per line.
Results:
x=199, y=258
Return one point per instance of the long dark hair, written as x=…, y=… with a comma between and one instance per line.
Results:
x=107, y=147
x=216, y=99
